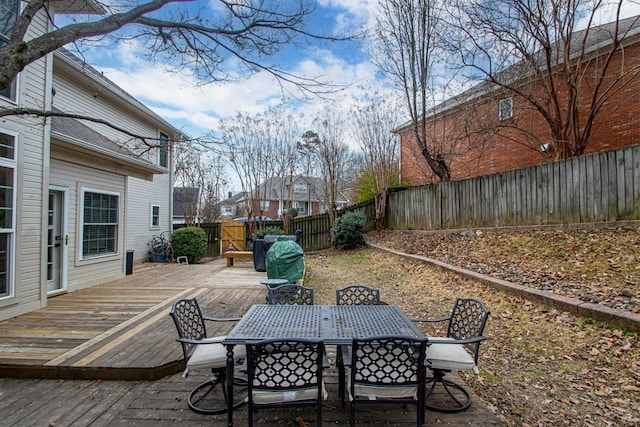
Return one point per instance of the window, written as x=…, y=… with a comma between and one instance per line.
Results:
x=300, y=188
x=505, y=108
x=7, y=211
x=163, y=151
x=9, y=10
x=264, y=205
x=155, y=216
x=227, y=209
x=302, y=207
x=99, y=223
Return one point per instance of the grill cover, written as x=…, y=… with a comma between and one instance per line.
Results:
x=285, y=260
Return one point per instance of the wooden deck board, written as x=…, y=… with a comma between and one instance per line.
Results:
x=162, y=403
x=122, y=330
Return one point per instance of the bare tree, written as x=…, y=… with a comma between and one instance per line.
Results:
x=259, y=147
x=373, y=120
x=195, y=36
x=536, y=52
x=331, y=153
x=183, y=35
x=195, y=167
x=404, y=49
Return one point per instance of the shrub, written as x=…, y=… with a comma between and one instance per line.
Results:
x=293, y=212
x=348, y=231
x=190, y=242
x=272, y=229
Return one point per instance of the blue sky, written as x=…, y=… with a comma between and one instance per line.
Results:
x=196, y=109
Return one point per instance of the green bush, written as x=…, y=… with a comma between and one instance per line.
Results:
x=272, y=229
x=348, y=231
x=190, y=242
x=293, y=212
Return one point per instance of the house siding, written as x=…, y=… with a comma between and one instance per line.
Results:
x=75, y=177
x=617, y=125
x=31, y=179
x=76, y=95
x=143, y=194
x=41, y=163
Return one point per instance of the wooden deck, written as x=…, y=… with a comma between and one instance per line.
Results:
x=108, y=356
x=122, y=329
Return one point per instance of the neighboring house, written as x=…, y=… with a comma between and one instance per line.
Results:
x=185, y=205
x=274, y=197
x=498, y=131
x=231, y=207
x=76, y=196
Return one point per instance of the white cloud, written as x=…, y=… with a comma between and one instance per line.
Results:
x=198, y=108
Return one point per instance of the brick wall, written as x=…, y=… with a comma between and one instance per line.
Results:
x=477, y=143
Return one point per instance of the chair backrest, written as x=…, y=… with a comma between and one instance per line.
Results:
x=284, y=365
x=468, y=319
x=290, y=295
x=357, y=295
x=189, y=322
x=387, y=361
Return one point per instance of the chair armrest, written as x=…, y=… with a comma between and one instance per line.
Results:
x=345, y=350
x=213, y=340
x=454, y=341
x=439, y=319
x=222, y=319
x=325, y=360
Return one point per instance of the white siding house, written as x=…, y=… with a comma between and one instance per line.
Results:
x=77, y=194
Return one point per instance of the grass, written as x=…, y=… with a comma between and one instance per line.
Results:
x=538, y=367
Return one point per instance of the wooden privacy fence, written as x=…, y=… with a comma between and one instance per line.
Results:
x=592, y=188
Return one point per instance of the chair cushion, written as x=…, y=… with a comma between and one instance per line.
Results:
x=382, y=392
x=449, y=357
x=212, y=356
x=268, y=397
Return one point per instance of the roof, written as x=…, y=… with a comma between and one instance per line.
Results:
x=273, y=189
x=185, y=199
x=597, y=38
x=81, y=138
x=233, y=199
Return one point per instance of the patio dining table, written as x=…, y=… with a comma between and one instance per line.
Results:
x=333, y=324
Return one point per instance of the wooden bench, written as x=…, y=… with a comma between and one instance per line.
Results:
x=230, y=255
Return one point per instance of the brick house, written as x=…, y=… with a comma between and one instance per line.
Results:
x=492, y=131
x=306, y=194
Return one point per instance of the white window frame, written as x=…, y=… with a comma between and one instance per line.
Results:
x=505, y=109
x=301, y=207
x=264, y=205
x=163, y=141
x=116, y=249
x=10, y=163
x=153, y=216
x=227, y=209
x=300, y=188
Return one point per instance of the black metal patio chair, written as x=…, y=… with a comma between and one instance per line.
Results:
x=352, y=295
x=458, y=351
x=285, y=373
x=389, y=369
x=202, y=352
x=290, y=295
x=357, y=295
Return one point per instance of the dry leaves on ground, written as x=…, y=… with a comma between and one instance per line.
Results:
x=539, y=366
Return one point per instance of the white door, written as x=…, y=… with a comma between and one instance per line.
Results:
x=56, y=241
